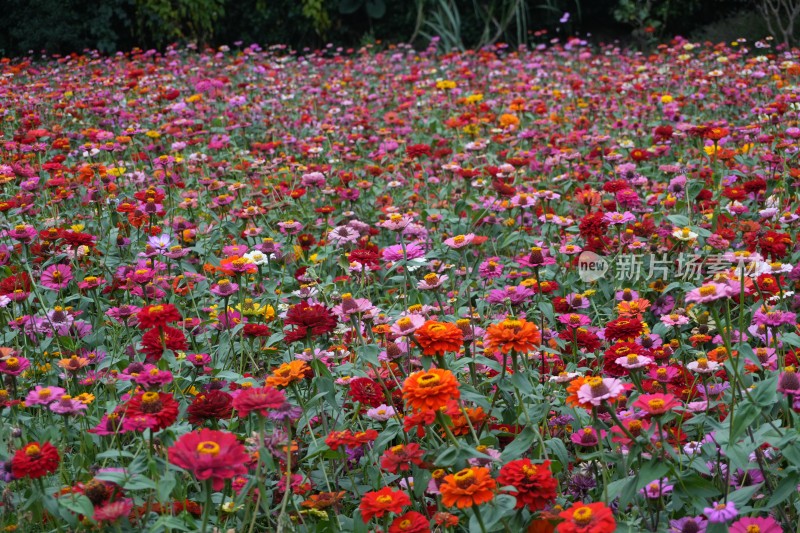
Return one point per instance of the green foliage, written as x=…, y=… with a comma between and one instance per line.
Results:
x=166, y=21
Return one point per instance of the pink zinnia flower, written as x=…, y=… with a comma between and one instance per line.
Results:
x=656, y=404
x=259, y=400
x=113, y=511
x=749, y=524
x=708, y=293
x=67, y=405
x=43, y=395
x=674, y=320
x=14, y=366
x=210, y=454
x=460, y=241
x=633, y=361
x=595, y=395
x=408, y=324
x=574, y=320
x=56, y=277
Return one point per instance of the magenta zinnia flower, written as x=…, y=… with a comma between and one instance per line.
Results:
x=259, y=400
x=749, y=524
x=210, y=454
x=56, y=277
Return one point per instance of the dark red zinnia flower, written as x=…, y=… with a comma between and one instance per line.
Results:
x=152, y=347
x=366, y=392
x=35, y=460
x=308, y=319
x=623, y=329
x=213, y=405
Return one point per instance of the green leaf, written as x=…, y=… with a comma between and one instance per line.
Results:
x=785, y=489
x=78, y=504
x=520, y=445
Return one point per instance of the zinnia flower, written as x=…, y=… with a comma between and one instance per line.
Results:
x=430, y=389
x=35, y=460
x=755, y=525
x=213, y=405
x=259, y=400
x=513, y=334
x=656, y=404
x=411, y=522
x=468, y=487
x=534, y=484
x=160, y=408
x=597, y=389
x=587, y=518
x=377, y=503
x=157, y=315
x=210, y=454
x=289, y=373
x=721, y=512
x=56, y=277
x=436, y=338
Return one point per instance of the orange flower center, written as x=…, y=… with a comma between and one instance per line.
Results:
x=12, y=363
x=702, y=363
x=633, y=359
x=529, y=471
x=582, y=516
x=458, y=239
x=384, y=500
x=45, y=393
x=431, y=278
x=661, y=372
x=208, y=447
x=752, y=528
x=32, y=450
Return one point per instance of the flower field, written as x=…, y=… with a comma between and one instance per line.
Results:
x=401, y=291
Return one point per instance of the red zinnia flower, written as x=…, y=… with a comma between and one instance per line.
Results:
x=535, y=484
x=587, y=518
x=159, y=407
x=401, y=457
x=158, y=315
x=378, y=503
x=259, y=400
x=366, y=392
x=173, y=339
x=624, y=329
x=308, y=318
x=214, y=405
x=411, y=522
x=656, y=404
x=35, y=460
x=210, y=454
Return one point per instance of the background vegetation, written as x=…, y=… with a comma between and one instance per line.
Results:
x=65, y=26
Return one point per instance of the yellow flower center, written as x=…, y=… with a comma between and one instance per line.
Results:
x=208, y=447
x=428, y=380
x=464, y=478
x=150, y=397
x=708, y=290
x=582, y=516
x=458, y=239
x=386, y=499
x=656, y=404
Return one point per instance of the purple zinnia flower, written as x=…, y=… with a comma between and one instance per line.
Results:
x=721, y=512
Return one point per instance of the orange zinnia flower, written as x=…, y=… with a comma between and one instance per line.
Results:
x=439, y=337
x=471, y=486
x=288, y=373
x=510, y=334
x=430, y=390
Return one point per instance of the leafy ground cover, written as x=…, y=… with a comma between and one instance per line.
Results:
x=401, y=291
